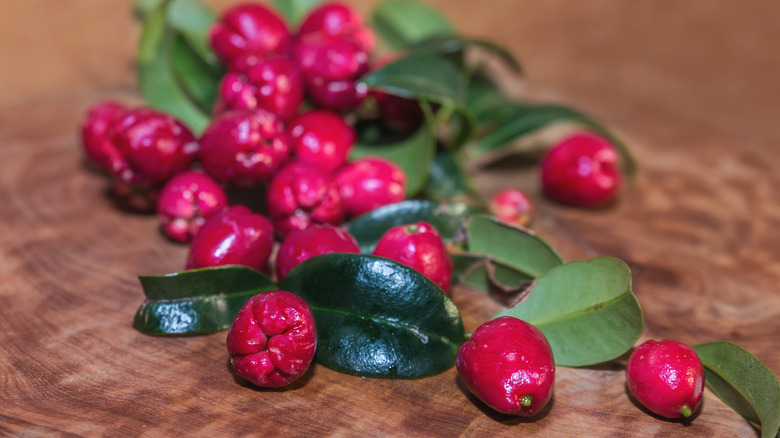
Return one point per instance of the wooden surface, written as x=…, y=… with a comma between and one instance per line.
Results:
x=699, y=231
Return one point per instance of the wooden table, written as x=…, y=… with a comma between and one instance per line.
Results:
x=699, y=231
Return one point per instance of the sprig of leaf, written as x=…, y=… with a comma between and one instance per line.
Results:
x=401, y=23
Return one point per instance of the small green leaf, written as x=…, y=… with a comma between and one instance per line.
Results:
x=192, y=19
x=514, y=247
x=455, y=44
x=449, y=181
x=376, y=317
x=447, y=218
x=295, y=10
x=197, y=301
x=198, y=80
x=744, y=383
x=483, y=95
x=585, y=309
x=404, y=22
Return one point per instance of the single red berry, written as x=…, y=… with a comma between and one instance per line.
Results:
x=582, y=170
x=512, y=206
x=667, y=377
x=186, y=201
x=398, y=113
x=271, y=84
x=420, y=247
x=508, y=364
x=96, y=132
x=300, y=245
x=322, y=138
x=233, y=236
x=272, y=339
x=370, y=182
x=301, y=195
x=339, y=96
x=244, y=148
x=249, y=29
x=340, y=20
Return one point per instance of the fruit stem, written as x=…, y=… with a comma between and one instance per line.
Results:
x=411, y=229
x=526, y=400
x=685, y=411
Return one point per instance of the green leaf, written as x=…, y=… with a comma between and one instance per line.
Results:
x=412, y=153
x=192, y=19
x=197, y=301
x=512, y=121
x=455, y=44
x=404, y=22
x=744, y=383
x=514, y=247
x=585, y=309
x=449, y=181
x=376, y=317
x=295, y=10
x=483, y=95
x=447, y=218
x=198, y=80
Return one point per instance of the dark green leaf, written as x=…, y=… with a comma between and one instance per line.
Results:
x=447, y=218
x=448, y=180
x=404, y=22
x=585, y=309
x=192, y=19
x=463, y=264
x=376, y=317
x=143, y=7
x=452, y=44
x=197, y=301
x=483, y=95
x=744, y=383
x=198, y=80
x=295, y=10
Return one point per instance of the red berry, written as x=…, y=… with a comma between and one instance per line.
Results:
x=368, y=183
x=186, y=201
x=420, y=247
x=339, y=19
x=667, y=377
x=340, y=96
x=508, y=364
x=244, y=148
x=512, y=206
x=398, y=113
x=249, y=29
x=234, y=236
x=273, y=339
x=96, y=131
x=302, y=194
x=322, y=138
x=582, y=170
x=300, y=245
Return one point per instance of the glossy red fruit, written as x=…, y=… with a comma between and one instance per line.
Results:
x=234, y=236
x=398, y=113
x=271, y=84
x=96, y=131
x=301, y=195
x=244, y=148
x=341, y=20
x=322, y=138
x=249, y=29
x=512, y=206
x=421, y=247
x=273, y=339
x=186, y=201
x=300, y=245
x=508, y=364
x=370, y=182
x=582, y=170
x=667, y=377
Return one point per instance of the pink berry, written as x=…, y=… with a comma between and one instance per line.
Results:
x=300, y=245
x=271, y=84
x=273, y=339
x=322, y=138
x=667, y=377
x=398, y=113
x=233, y=236
x=420, y=247
x=369, y=183
x=512, y=206
x=186, y=201
x=340, y=96
x=249, y=29
x=582, y=170
x=96, y=131
x=244, y=148
x=340, y=20
x=301, y=195
x=508, y=364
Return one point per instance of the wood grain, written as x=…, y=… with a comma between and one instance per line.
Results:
x=699, y=231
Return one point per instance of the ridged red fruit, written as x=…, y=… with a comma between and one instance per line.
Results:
x=186, y=201
x=300, y=245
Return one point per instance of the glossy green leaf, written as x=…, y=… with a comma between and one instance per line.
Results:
x=412, y=153
x=294, y=10
x=404, y=22
x=449, y=181
x=510, y=122
x=514, y=247
x=376, y=317
x=198, y=80
x=483, y=95
x=197, y=301
x=744, y=383
x=192, y=19
x=453, y=44
x=585, y=309
x=447, y=218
